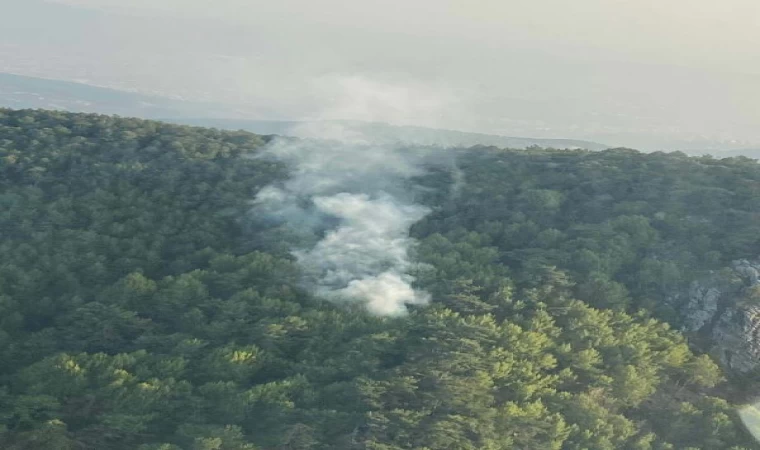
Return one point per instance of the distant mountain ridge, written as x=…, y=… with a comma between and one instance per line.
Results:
x=388, y=134
x=753, y=153
x=24, y=92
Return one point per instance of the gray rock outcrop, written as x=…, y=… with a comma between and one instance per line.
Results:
x=719, y=312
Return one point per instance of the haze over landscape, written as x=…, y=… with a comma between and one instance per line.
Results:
x=396, y=225
x=681, y=75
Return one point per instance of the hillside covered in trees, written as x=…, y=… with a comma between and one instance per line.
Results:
x=146, y=304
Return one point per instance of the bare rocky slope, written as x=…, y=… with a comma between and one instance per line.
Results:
x=722, y=313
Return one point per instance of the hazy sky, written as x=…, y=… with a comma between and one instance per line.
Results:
x=624, y=72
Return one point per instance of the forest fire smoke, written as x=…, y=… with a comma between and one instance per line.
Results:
x=352, y=198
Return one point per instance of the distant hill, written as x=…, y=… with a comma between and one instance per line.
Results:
x=386, y=133
x=23, y=92
x=753, y=153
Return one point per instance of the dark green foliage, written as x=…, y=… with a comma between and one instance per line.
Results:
x=631, y=228
x=138, y=310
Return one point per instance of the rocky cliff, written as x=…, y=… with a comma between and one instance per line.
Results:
x=722, y=313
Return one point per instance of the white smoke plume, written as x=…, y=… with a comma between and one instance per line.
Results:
x=355, y=199
x=365, y=257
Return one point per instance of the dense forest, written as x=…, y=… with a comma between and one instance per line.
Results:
x=141, y=308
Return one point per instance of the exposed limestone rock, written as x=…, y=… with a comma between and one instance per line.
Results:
x=716, y=311
x=736, y=337
x=750, y=271
x=701, y=307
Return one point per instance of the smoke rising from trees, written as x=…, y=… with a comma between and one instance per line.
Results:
x=351, y=202
x=353, y=199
